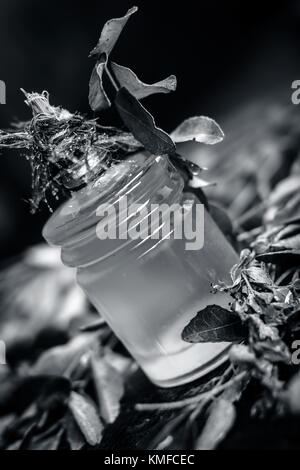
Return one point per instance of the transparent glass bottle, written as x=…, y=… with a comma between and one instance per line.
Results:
x=146, y=289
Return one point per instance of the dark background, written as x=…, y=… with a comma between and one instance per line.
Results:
x=224, y=53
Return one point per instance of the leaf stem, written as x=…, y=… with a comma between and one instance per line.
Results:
x=192, y=400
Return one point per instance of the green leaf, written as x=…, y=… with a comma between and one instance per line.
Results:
x=212, y=325
x=141, y=123
x=86, y=416
x=110, y=34
x=110, y=388
x=199, y=129
x=98, y=99
x=128, y=79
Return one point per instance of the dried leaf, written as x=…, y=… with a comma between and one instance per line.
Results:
x=98, y=99
x=110, y=34
x=140, y=122
x=213, y=324
x=221, y=419
x=110, y=388
x=199, y=129
x=128, y=79
x=258, y=275
x=86, y=416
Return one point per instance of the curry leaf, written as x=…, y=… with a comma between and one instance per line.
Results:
x=141, y=123
x=110, y=34
x=212, y=325
x=98, y=99
x=200, y=129
x=128, y=79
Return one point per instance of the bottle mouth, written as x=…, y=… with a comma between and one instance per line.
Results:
x=140, y=180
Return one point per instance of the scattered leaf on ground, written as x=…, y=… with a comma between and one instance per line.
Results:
x=110, y=388
x=86, y=416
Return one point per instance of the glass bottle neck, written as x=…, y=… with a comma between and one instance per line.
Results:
x=141, y=180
